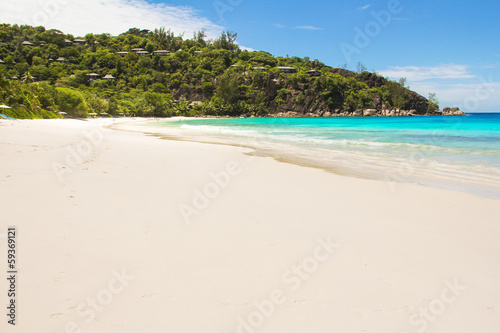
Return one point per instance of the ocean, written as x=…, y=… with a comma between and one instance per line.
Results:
x=450, y=152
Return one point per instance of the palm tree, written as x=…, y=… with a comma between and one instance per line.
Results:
x=5, y=91
x=27, y=77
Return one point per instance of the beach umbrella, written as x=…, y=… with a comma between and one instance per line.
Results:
x=4, y=107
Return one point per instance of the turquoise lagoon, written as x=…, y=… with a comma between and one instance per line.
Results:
x=451, y=152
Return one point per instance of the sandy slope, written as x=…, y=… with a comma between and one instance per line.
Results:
x=124, y=232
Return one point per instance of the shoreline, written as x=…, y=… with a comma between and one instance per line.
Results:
x=139, y=227
x=386, y=172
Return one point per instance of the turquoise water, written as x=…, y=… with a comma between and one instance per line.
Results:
x=458, y=152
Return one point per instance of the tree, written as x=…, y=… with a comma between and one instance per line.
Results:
x=199, y=37
x=158, y=88
x=402, y=81
x=90, y=40
x=360, y=67
x=27, y=77
x=204, y=76
x=71, y=102
x=433, y=101
x=5, y=91
x=228, y=88
x=133, y=31
x=226, y=41
x=159, y=104
x=164, y=38
x=432, y=98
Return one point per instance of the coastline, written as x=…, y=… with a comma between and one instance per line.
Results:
x=411, y=167
x=247, y=222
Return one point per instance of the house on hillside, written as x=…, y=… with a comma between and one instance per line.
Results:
x=288, y=70
x=67, y=42
x=313, y=72
x=61, y=60
x=27, y=43
x=79, y=42
x=198, y=52
x=122, y=53
x=93, y=76
x=109, y=77
x=260, y=68
x=2, y=62
x=137, y=49
x=142, y=53
x=163, y=53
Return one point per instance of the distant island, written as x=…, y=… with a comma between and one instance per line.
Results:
x=49, y=74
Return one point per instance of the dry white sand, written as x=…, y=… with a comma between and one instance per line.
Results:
x=114, y=236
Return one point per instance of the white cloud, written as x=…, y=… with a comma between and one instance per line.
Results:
x=79, y=17
x=246, y=48
x=481, y=95
x=308, y=27
x=416, y=73
x=472, y=93
x=364, y=7
x=278, y=25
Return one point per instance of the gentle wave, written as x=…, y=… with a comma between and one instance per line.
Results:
x=303, y=138
x=464, y=155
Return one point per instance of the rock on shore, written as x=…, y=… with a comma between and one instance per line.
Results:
x=447, y=111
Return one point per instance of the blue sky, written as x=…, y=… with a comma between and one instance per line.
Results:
x=447, y=47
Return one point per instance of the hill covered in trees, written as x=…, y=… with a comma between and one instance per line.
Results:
x=46, y=73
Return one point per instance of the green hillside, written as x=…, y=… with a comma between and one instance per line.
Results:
x=46, y=73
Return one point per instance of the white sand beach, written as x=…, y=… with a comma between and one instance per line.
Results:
x=125, y=232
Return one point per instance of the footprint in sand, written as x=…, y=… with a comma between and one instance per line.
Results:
x=297, y=301
x=56, y=315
